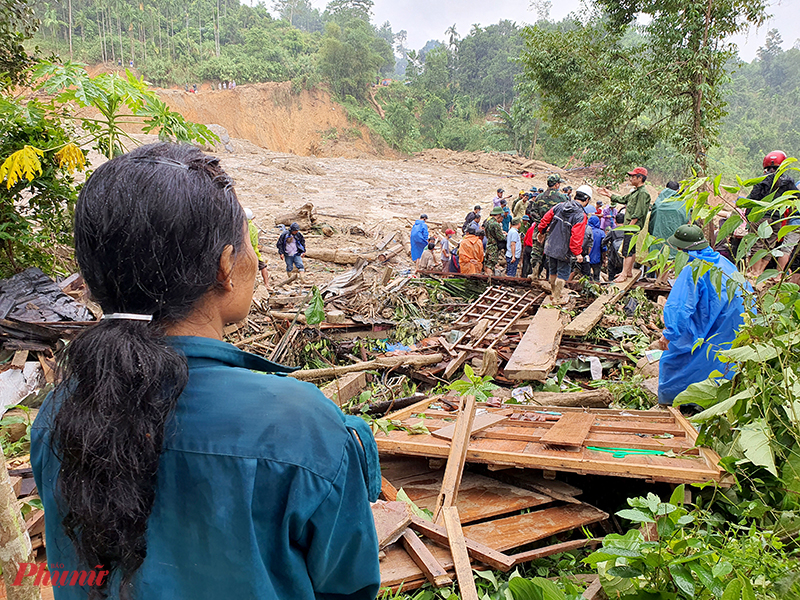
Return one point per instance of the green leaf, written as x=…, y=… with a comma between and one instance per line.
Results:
x=681, y=260
x=764, y=230
x=705, y=577
x=683, y=579
x=625, y=571
x=678, y=495
x=717, y=181
x=315, y=312
x=733, y=591
x=702, y=393
x=753, y=442
x=403, y=497
x=535, y=589
x=722, y=407
x=747, y=589
x=729, y=226
x=635, y=515
x=721, y=569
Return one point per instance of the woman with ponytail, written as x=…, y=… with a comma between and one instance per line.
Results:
x=182, y=466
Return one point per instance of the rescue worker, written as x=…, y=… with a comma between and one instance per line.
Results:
x=419, y=237
x=638, y=204
x=565, y=225
x=496, y=240
x=696, y=312
x=470, y=251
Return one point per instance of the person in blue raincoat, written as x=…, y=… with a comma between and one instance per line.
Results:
x=694, y=312
x=596, y=253
x=419, y=237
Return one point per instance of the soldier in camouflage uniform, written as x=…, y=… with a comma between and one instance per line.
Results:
x=496, y=240
x=536, y=209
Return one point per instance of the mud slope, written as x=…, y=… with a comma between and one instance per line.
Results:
x=272, y=117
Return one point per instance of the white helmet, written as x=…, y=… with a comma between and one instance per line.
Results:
x=584, y=189
x=248, y=213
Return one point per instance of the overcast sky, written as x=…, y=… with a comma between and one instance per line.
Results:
x=428, y=19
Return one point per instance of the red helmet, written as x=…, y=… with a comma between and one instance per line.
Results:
x=774, y=158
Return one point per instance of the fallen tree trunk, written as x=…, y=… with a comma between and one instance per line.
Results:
x=339, y=256
x=303, y=216
x=408, y=360
x=599, y=398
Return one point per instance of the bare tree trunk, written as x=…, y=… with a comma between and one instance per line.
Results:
x=69, y=4
x=119, y=31
x=15, y=544
x=216, y=31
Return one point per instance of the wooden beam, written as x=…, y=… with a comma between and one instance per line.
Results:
x=481, y=422
x=538, y=553
x=480, y=552
x=408, y=360
x=456, y=458
x=426, y=561
x=584, y=322
x=391, y=520
x=388, y=491
x=536, y=354
x=458, y=548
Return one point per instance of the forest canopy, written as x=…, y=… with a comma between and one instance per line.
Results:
x=559, y=91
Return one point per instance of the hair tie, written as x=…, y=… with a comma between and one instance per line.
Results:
x=128, y=317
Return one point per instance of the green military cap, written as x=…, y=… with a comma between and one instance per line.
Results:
x=496, y=211
x=688, y=237
x=554, y=179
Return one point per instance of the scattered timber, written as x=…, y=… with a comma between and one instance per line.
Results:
x=409, y=360
x=584, y=322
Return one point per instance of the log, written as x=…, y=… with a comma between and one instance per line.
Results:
x=599, y=398
x=408, y=360
x=340, y=257
x=303, y=216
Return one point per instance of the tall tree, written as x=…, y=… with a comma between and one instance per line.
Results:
x=618, y=95
x=17, y=24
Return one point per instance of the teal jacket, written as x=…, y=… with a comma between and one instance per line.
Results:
x=263, y=490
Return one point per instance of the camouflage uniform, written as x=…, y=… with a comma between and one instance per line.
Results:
x=536, y=209
x=496, y=239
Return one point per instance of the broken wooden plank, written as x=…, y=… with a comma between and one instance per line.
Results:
x=523, y=557
x=407, y=360
x=456, y=458
x=479, y=497
x=391, y=519
x=458, y=549
x=558, y=490
x=584, y=322
x=483, y=421
x=594, y=591
x=519, y=530
x=18, y=361
x=536, y=354
x=569, y=431
x=343, y=389
x=425, y=560
x=388, y=491
x=478, y=551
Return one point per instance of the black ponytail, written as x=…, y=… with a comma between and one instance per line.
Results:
x=150, y=227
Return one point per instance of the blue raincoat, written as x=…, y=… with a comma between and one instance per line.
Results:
x=693, y=312
x=419, y=239
x=596, y=253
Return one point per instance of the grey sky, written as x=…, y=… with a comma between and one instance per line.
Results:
x=427, y=19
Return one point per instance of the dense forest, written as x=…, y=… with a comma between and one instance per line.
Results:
x=470, y=92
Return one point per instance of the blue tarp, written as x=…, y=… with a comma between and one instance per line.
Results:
x=693, y=312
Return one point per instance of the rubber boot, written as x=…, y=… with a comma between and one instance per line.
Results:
x=558, y=286
x=300, y=280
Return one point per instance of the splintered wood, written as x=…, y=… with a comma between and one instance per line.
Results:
x=655, y=446
x=482, y=524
